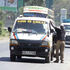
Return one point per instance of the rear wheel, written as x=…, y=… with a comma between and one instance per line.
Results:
x=48, y=58
x=12, y=57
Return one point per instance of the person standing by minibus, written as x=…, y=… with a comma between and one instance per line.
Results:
x=60, y=44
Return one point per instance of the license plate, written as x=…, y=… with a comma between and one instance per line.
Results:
x=28, y=52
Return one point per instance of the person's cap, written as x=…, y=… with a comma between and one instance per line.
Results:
x=62, y=26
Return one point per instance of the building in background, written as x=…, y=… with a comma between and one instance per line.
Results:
x=63, y=12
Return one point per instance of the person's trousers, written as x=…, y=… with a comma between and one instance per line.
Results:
x=60, y=46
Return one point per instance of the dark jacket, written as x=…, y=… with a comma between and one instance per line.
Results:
x=60, y=34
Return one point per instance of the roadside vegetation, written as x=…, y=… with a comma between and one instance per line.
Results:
x=3, y=32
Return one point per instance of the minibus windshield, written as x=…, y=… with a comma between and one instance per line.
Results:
x=35, y=26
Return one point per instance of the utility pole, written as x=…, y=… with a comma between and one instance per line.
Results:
x=20, y=3
x=49, y=3
x=44, y=2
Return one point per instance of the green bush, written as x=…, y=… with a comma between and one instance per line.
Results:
x=1, y=25
x=5, y=33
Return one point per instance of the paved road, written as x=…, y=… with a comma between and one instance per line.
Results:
x=30, y=63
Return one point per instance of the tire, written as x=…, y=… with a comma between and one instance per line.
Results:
x=12, y=57
x=47, y=60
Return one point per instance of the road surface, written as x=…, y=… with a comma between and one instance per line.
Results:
x=30, y=63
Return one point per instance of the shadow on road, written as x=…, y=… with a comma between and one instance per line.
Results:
x=67, y=47
x=5, y=59
x=25, y=60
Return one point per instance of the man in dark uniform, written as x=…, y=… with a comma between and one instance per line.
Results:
x=60, y=44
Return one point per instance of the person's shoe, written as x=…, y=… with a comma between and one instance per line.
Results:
x=62, y=61
x=56, y=61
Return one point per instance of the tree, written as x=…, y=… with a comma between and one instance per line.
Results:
x=21, y=10
x=1, y=14
x=58, y=5
x=1, y=25
x=35, y=2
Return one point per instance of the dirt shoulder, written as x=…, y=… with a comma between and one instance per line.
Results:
x=4, y=38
